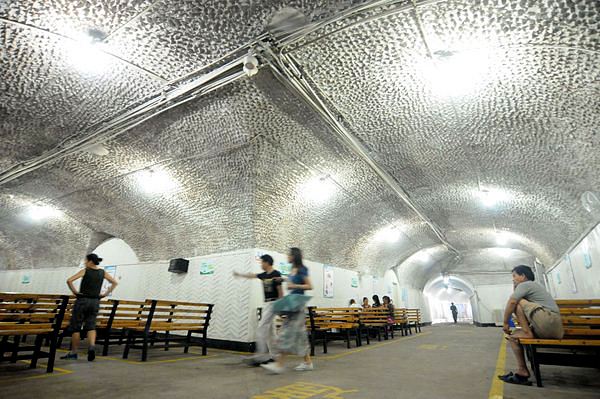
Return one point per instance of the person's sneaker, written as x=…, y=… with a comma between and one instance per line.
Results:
x=273, y=368
x=268, y=361
x=91, y=354
x=304, y=367
x=251, y=361
x=69, y=356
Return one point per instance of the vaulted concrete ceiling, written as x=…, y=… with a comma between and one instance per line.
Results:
x=444, y=127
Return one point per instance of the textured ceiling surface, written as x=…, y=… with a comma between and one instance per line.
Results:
x=454, y=99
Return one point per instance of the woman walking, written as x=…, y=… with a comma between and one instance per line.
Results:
x=293, y=338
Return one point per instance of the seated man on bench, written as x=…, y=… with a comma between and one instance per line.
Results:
x=537, y=314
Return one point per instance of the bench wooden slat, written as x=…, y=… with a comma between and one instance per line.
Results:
x=17, y=326
x=571, y=342
x=25, y=332
x=580, y=311
x=577, y=302
x=582, y=331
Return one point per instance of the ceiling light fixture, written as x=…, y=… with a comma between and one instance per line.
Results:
x=85, y=52
x=501, y=238
x=456, y=73
x=155, y=181
x=38, y=212
x=388, y=234
x=423, y=256
x=491, y=197
x=318, y=190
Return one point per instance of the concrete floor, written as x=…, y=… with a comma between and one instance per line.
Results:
x=447, y=361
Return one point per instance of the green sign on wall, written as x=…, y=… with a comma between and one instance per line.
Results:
x=207, y=267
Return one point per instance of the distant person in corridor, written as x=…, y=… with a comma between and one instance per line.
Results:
x=365, y=303
x=538, y=317
x=454, y=312
x=87, y=304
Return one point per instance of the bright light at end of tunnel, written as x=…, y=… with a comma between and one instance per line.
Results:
x=501, y=239
x=155, y=181
x=318, y=190
x=423, y=256
x=39, y=212
x=388, y=234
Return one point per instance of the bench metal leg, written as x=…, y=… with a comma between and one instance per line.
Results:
x=324, y=341
x=51, y=354
x=145, y=347
x=187, y=342
x=167, y=341
x=36, y=352
x=312, y=343
x=17, y=341
x=105, y=343
x=535, y=365
x=127, y=344
x=347, y=338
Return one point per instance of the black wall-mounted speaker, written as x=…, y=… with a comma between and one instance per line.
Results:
x=179, y=265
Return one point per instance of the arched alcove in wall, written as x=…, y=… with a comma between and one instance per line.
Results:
x=115, y=251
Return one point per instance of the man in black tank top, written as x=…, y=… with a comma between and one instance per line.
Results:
x=87, y=304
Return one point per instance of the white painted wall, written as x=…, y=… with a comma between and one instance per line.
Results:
x=234, y=314
x=575, y=277
x=115, y=251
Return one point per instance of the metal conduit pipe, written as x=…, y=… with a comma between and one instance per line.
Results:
x=287, y=71
x=117, y=126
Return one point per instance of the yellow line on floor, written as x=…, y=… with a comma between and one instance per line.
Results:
x=45, y=375
x=331, y=357
x=497, y=388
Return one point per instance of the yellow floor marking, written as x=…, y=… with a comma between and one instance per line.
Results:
x=497, y=388
x=304, y=390
x=331, y=357
x=45, y=375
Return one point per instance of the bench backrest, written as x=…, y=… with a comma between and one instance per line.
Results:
x=326, y=318
x=374, y=316
x=163, y=315
x=580, y=318
x=32, y=311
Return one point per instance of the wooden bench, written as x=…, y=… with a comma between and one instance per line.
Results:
x=30, y=314
x=377, y=319
x=114, y=316
x=580, y=345
x=414, y=319
x=168, y=316
x=331, y=324
x=401, y=321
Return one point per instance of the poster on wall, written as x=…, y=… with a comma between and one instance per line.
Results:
x=112, y=271
x=587, y=260
x=26, y=279
x=207, y=267
x=571, y=274
x=284, y=268
x=404, y=295
x=558, y=278
x=327, y=281
x=354, y=282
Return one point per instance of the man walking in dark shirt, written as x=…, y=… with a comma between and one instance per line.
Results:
x=87, y=304
x=454, y=312
x=271, y=281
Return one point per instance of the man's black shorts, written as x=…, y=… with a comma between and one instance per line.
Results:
x=84, y=314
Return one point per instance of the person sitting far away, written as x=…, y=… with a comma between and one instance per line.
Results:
x=85, y=309
x=376, y=303
x=365, y=303
x=387, y=304
x=454, y=311
x=353, y=304
x=537, y=314
x=271, y=282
